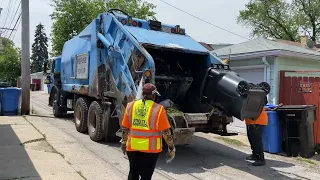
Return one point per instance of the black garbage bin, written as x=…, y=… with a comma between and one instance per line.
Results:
x=224, y=89
x=298, y=132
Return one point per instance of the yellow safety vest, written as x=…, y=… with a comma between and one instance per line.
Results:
x=144, y=134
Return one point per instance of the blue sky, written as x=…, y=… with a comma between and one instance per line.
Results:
x=222, y=13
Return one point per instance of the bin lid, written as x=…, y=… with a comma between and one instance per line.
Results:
x=10, y=89
x=270, y=105
x=295, y=107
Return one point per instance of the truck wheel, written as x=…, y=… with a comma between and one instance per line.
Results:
x=58, y=111
x=95, y=117
x=51, y=97
x=112, y=126
x=81, y=115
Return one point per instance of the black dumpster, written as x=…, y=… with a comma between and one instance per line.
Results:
x=298, y=129
x=32, y=87
x=224, y=89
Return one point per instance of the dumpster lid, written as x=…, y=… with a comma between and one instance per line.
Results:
x=295, y=107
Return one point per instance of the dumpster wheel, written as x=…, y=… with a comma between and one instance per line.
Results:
x=318, y=148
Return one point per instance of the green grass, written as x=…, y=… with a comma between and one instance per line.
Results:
x=305, y=160
x=231, y=141
x=173, y=111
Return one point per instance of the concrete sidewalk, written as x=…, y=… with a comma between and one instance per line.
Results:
x=25, y=153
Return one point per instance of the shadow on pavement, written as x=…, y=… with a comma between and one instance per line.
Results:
x=204, y=155
x=15, y=162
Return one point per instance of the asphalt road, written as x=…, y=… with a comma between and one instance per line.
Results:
x=206, y=158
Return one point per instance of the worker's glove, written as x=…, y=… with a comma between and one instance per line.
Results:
x=171, y=154
x=124, y=148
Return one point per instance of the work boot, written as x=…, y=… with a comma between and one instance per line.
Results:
x=251, y=158
x=260, y=162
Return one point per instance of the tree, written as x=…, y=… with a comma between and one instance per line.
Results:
x=70, y=17
x=39, y=55
x=282, y=20
x=10, y=62
x=309, y=17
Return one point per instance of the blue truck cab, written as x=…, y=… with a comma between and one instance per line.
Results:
x=101, y=69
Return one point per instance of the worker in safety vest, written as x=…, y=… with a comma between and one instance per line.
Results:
x=254, y=132
x=144, y=124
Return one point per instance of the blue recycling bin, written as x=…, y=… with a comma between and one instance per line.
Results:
x=10, y=99
x=272, y=136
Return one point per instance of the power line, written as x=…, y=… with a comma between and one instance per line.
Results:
x=7, y=14
x=212, y=24
x=15, y=25
x=19, y=23
x=204, y=20
x=15, y=14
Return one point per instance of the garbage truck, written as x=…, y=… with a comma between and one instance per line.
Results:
x=101, y=69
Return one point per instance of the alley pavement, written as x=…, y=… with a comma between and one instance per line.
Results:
x=208, y=157
x=25, y=154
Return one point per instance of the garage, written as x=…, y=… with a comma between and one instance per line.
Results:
x=255, y=76
x=37, y=79
x=252, y=75
x=262, y=59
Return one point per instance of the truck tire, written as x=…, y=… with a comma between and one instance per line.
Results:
x=95, y=118
x=58, y=111
x=81, y=115
x=51, y=96
x=111, y=127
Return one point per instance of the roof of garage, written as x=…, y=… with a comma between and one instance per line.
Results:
x=264, y=47
x=35, y=74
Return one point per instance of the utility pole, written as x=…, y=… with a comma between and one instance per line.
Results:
x=25, y=61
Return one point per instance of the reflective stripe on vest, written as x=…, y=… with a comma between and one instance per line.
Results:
x=143, y=132
x=129, y=112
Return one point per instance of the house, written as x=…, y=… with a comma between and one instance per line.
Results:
x=219, y=46
x=212, y=47
x=261, y=60
x=37, y=79
x=207, y=46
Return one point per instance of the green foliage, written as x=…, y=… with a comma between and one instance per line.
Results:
x=282, y=19
x=70, y=17
x=10, y=62
x=308, y=17
x=39, y=55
